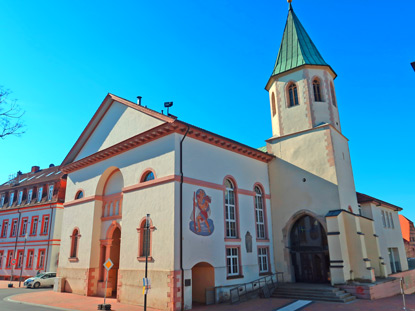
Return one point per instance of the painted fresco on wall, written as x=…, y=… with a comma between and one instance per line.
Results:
x=200, y=223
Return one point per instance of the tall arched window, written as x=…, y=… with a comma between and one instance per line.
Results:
x=333, y=95
x=292, y=95
x=145, y=239
x=316, y=88
x=259, y=214
x=230, y=209
x=74, y=244
x=273, y=107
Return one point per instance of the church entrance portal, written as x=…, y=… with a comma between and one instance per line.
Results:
x=309, y=251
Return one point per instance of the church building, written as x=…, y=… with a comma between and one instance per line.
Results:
x=222, y=213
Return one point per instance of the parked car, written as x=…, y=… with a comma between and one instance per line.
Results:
x=41, y=280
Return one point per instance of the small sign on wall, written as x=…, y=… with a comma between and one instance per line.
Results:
x=187, y=282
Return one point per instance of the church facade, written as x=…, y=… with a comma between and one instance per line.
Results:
x=222, y=213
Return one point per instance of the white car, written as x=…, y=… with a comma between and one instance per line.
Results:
x=41, y=280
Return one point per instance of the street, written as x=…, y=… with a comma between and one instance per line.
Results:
x=13, y=306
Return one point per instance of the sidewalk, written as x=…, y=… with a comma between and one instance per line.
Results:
x=73, y=302
x=4, y=284
x=84, y=303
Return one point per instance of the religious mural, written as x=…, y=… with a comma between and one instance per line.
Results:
x=199, y=219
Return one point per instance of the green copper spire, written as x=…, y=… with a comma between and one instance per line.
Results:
x=296, y=48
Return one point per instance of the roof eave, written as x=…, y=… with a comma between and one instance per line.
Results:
x=284, y=73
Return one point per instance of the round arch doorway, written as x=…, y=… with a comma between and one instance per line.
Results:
x=309, y=251
x=203, y=276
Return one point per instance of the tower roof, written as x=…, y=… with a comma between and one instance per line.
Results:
x=296, y=48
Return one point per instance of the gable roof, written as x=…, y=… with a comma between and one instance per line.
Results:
x=100, y=113
x=364, y=198
x=297, y=48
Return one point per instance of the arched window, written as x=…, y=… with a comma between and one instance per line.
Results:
x=333, y=95
x=292, y=95
x=79, y=195
x=273, y=107
x=230, y=210
x=145, y=239
x=316, y=88
x=147, y=176
x=74, y=244
x=259, y=214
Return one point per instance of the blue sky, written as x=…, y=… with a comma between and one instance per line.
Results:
x=213, y=59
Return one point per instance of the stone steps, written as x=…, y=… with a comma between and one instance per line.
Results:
x=314, y=293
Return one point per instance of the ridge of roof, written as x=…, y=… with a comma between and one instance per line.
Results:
x=362, y=198
x=99, y=114
x=297, y=48
x=29, y=179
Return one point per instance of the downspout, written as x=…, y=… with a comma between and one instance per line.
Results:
x=181, y=215
x=49, y=230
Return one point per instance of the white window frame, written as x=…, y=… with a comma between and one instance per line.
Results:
x=20, y=259
x=34, y=226
x=30, y=255
x=25, y=222
x=232, y=261
x=41, y=259
x=14, y=227
x=39, y=194
x=29, y=196
x=263, y=259
x=50, y=194
x=11, y=197
x=3, y=196
x=4, y=229
x=230, y=209
x=259, y=214
x=45, y=225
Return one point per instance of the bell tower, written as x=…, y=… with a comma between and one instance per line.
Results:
x=305, y=120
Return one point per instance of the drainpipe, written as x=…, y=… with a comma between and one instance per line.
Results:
x=181, y=214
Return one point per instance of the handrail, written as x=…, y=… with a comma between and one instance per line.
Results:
x=243, y=289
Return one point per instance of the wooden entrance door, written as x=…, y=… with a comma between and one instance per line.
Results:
x=309, y=251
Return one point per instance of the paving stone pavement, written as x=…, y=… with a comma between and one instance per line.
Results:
x=83, y=303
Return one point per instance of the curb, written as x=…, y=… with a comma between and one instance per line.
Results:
x=9, y=299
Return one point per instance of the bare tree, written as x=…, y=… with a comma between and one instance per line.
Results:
x=10, y=116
